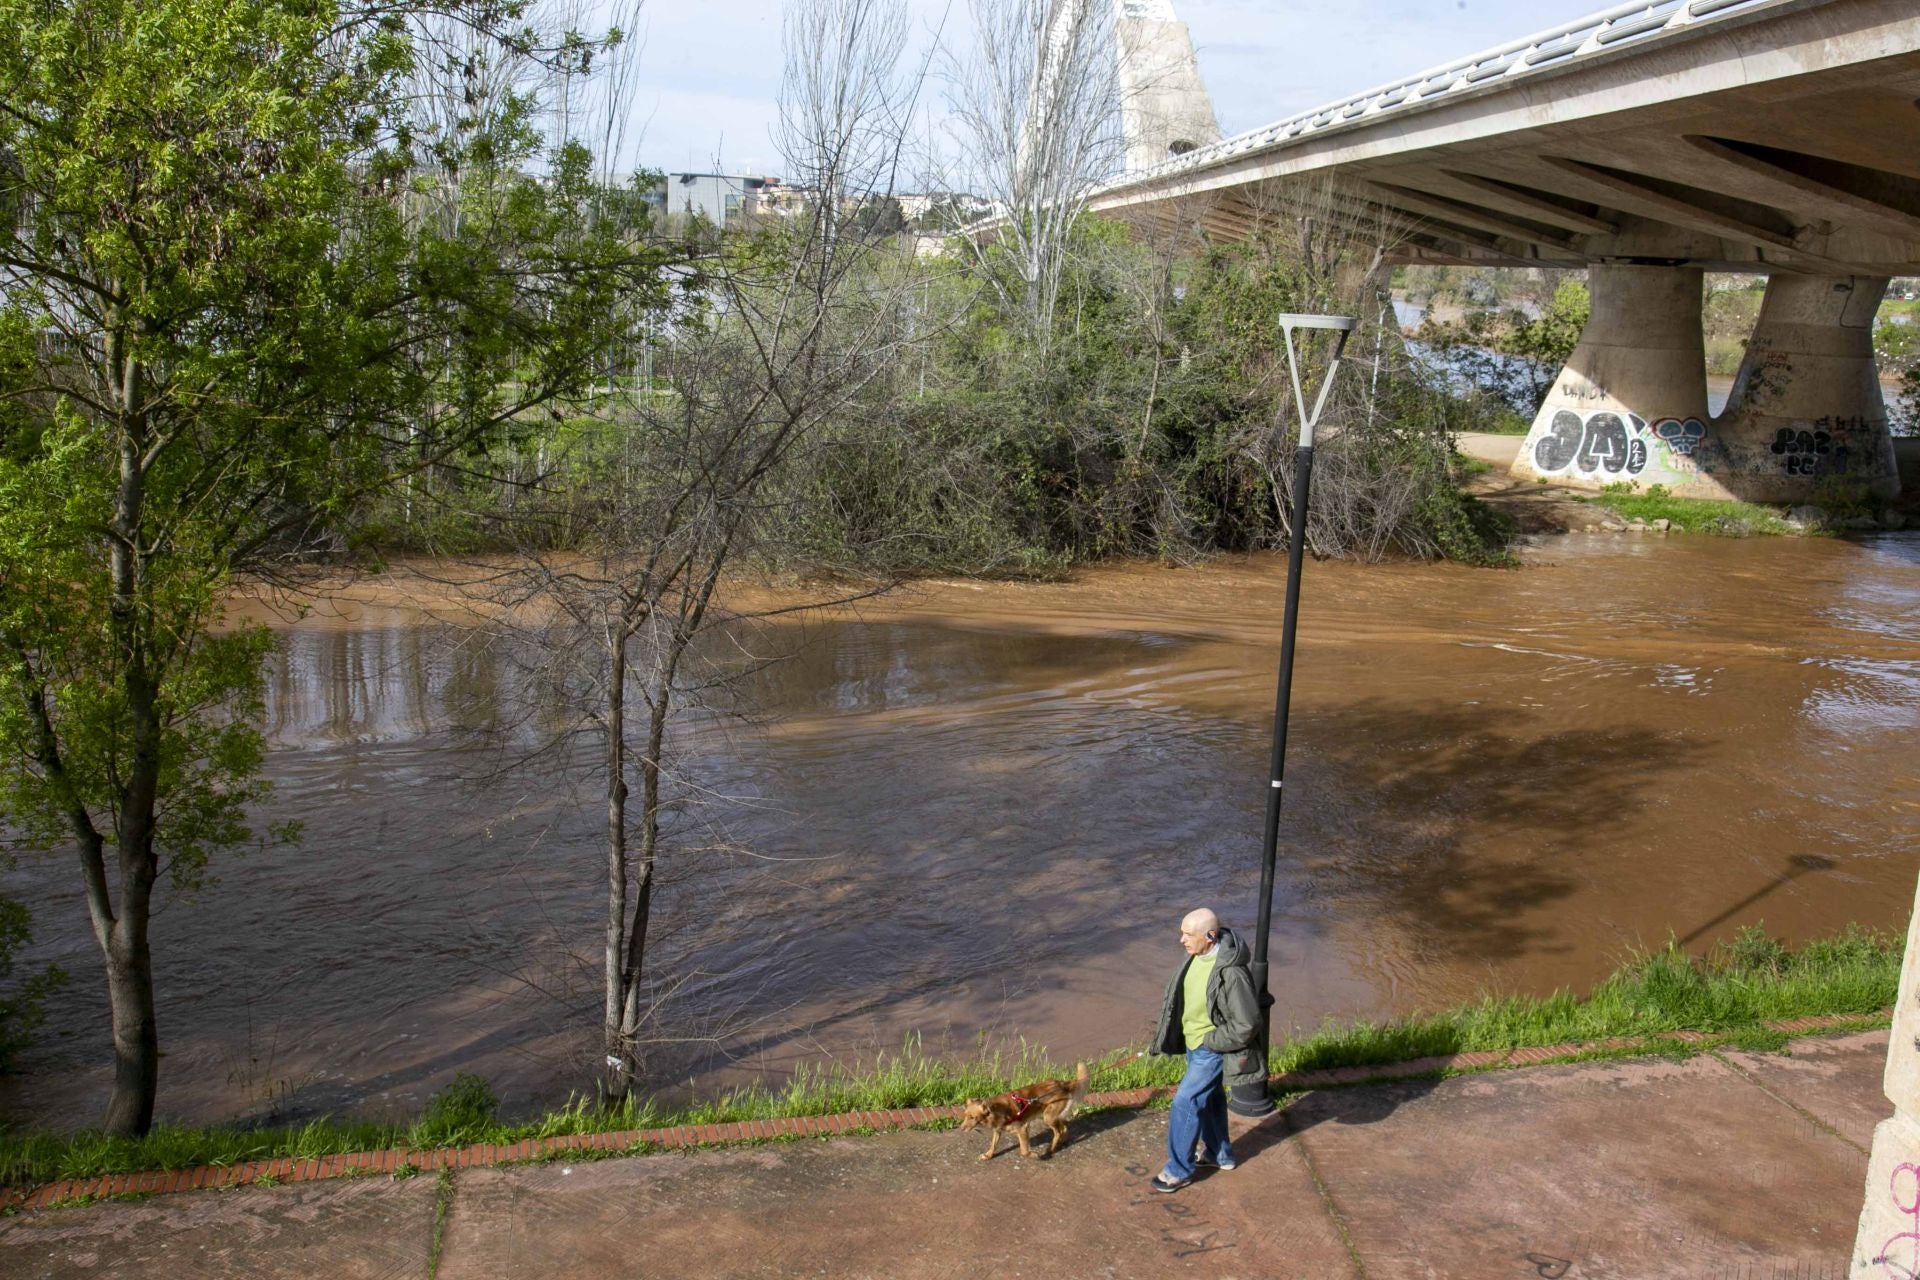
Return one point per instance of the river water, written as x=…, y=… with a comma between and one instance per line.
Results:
x=975, y=812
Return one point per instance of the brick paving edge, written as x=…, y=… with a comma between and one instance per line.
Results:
x=285, y=1169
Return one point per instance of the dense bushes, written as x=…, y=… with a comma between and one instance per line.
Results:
x=1157, y=423
x=1154, y=420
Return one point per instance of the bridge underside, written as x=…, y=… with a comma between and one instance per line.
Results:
x=1787, y=145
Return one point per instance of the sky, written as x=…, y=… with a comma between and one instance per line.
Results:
x=710, y=69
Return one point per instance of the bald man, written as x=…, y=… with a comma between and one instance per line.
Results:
x=1211, y=1015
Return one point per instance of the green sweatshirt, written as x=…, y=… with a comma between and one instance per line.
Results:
x=1193, y=999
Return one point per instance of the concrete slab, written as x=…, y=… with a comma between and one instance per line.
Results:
x=1637, y=1171
x=1822, y=1077
x=363, y=1229
x=910, y=1206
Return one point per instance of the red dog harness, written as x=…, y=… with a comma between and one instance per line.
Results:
x=1025, y=1105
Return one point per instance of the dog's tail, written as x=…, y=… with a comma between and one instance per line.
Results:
x=1077, y=1089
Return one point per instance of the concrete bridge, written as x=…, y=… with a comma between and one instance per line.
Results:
x=1648, y=143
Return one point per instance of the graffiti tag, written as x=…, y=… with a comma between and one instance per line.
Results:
x=1681, y=437
x=1601, y=442
x=1810, y=453
x=1909, y=1270
x=1575, y=387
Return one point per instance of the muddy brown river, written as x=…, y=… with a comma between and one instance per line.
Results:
x=973, y=813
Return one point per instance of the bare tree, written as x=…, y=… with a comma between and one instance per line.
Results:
x=776, y=330
x=1036, y=102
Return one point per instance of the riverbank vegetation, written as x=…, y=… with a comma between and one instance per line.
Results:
x=1692, y=515
x=1730, y=995
x=1152, y=417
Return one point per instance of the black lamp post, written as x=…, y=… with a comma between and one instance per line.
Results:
x=1252, y=1099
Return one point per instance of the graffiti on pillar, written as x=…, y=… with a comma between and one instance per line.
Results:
x=1574, y=386
x=1820, y=450
x=1906, y=1245
x=1600, y=443
x=1680, y=436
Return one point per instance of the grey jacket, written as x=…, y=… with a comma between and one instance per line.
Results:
x=1232, y=1006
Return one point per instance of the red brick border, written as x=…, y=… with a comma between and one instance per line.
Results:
x=287, y=1169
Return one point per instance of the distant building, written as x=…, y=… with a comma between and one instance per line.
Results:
x=936, y=211
x=731, y=200
x=724, y=199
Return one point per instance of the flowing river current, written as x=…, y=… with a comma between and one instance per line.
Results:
x=974, y=813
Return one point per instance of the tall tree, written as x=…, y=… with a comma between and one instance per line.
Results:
x=1036, y=103
x=239, y=292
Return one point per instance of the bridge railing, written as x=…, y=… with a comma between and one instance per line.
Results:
x=1604, y=31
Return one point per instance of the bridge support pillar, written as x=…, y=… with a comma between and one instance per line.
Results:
x=1640, y=366
x=1887, y=1241
x=1806, y=421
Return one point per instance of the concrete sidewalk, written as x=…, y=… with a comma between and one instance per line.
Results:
x=1726, y=1165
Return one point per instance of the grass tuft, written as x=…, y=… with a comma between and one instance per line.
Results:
x=442, y=1202
x=1693, y=515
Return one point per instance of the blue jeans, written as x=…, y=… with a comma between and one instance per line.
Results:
x=1199, y=1114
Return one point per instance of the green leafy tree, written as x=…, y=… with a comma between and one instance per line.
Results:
x=1550, y=338
x=236, y=300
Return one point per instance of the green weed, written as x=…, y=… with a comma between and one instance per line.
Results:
x=461, y=1113
x=442, y=1203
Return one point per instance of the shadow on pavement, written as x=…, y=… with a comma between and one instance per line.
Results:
x=1357, y=1105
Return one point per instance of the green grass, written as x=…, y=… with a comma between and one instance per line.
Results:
x=442, y=1202
x=1734, y=990
x=1730, y=992
x=1692, y=515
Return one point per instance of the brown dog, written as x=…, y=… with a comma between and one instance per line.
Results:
x=1053, y=1099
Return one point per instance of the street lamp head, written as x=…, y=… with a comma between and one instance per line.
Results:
x=1341, y=326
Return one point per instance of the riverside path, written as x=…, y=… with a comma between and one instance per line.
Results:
x=1727, y=1164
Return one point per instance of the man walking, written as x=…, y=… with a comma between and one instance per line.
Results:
x=1210, y=1014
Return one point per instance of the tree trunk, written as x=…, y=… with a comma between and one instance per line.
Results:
x=129, y=961
x=649, y=847
x=136, y=1034
x=619, y=1051
x=122, y=939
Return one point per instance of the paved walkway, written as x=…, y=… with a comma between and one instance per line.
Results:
x=1725, y=1165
